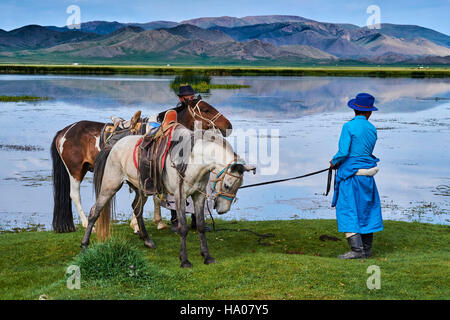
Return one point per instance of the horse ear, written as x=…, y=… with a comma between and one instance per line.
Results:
x=241, y=168
x=199, y=97
x=250, y=168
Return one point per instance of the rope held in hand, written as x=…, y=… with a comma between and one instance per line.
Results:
x=293, y=178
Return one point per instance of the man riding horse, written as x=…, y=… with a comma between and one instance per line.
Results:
x=185, y=94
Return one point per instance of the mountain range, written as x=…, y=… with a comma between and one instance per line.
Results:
x=255, y=39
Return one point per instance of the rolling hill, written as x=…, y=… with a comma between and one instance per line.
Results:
x=271, y=38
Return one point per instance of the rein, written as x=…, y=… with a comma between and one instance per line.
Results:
x=330, y=173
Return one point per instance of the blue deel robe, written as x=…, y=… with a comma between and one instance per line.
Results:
x=358, y=207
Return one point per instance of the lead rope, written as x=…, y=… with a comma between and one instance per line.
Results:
x=287, y=179
x=210, y=214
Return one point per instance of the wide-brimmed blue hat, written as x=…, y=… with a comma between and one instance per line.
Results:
x=185, y=91
x=363, y=102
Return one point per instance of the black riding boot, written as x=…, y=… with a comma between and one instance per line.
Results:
x=173, y=221
x=356, y=246
x=367, y=244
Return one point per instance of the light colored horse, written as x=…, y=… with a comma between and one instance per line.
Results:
x=200, y=154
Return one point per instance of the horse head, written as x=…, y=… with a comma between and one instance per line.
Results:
x=209, y=116
x=227, y=183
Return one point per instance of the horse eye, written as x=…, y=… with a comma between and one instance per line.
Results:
x=226, y=186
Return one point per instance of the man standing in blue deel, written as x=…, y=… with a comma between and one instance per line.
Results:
x=358, y=208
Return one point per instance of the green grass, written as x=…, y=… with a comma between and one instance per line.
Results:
x=21, y=98
x=228, y=70
x=294, y=264
x=200, y=83
x=116, y=259
x=226, y=86
x=204, y=87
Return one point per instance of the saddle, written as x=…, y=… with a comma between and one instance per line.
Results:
x=119, y=128
x=153, y=149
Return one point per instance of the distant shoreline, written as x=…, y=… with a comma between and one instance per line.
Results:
x=351, y=71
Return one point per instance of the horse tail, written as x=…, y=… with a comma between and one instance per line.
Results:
x=62, y=209
x=104, y=220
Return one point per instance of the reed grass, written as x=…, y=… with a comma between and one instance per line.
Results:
x=21, y=98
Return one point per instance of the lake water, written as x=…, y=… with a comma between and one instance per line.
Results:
x=302, y=116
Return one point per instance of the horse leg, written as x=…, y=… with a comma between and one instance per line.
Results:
x=111, y=181
x=96, y=209
x=76, y=198
x=138, y=213
x=134, y=223
x=199, y=205
x=156, y=216
x=180, y=201
x=157, y=213
x=173, y=221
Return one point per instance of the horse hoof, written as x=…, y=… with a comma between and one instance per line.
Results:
x=210, y=260
x=161, y=226
x=186, y=264
x=150, y=244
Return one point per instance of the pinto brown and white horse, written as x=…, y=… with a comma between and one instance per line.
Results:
x=75, y=148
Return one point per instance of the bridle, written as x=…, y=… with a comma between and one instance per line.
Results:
x=220, y=177
x=197, y=113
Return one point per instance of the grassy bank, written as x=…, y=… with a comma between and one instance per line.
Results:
x=293, y=264
x=21, y=98
x=227, y=70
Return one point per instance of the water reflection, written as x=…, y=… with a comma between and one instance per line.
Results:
x=267, y=96
x=413, y=134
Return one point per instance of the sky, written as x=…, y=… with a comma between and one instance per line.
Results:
x=433, y=14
